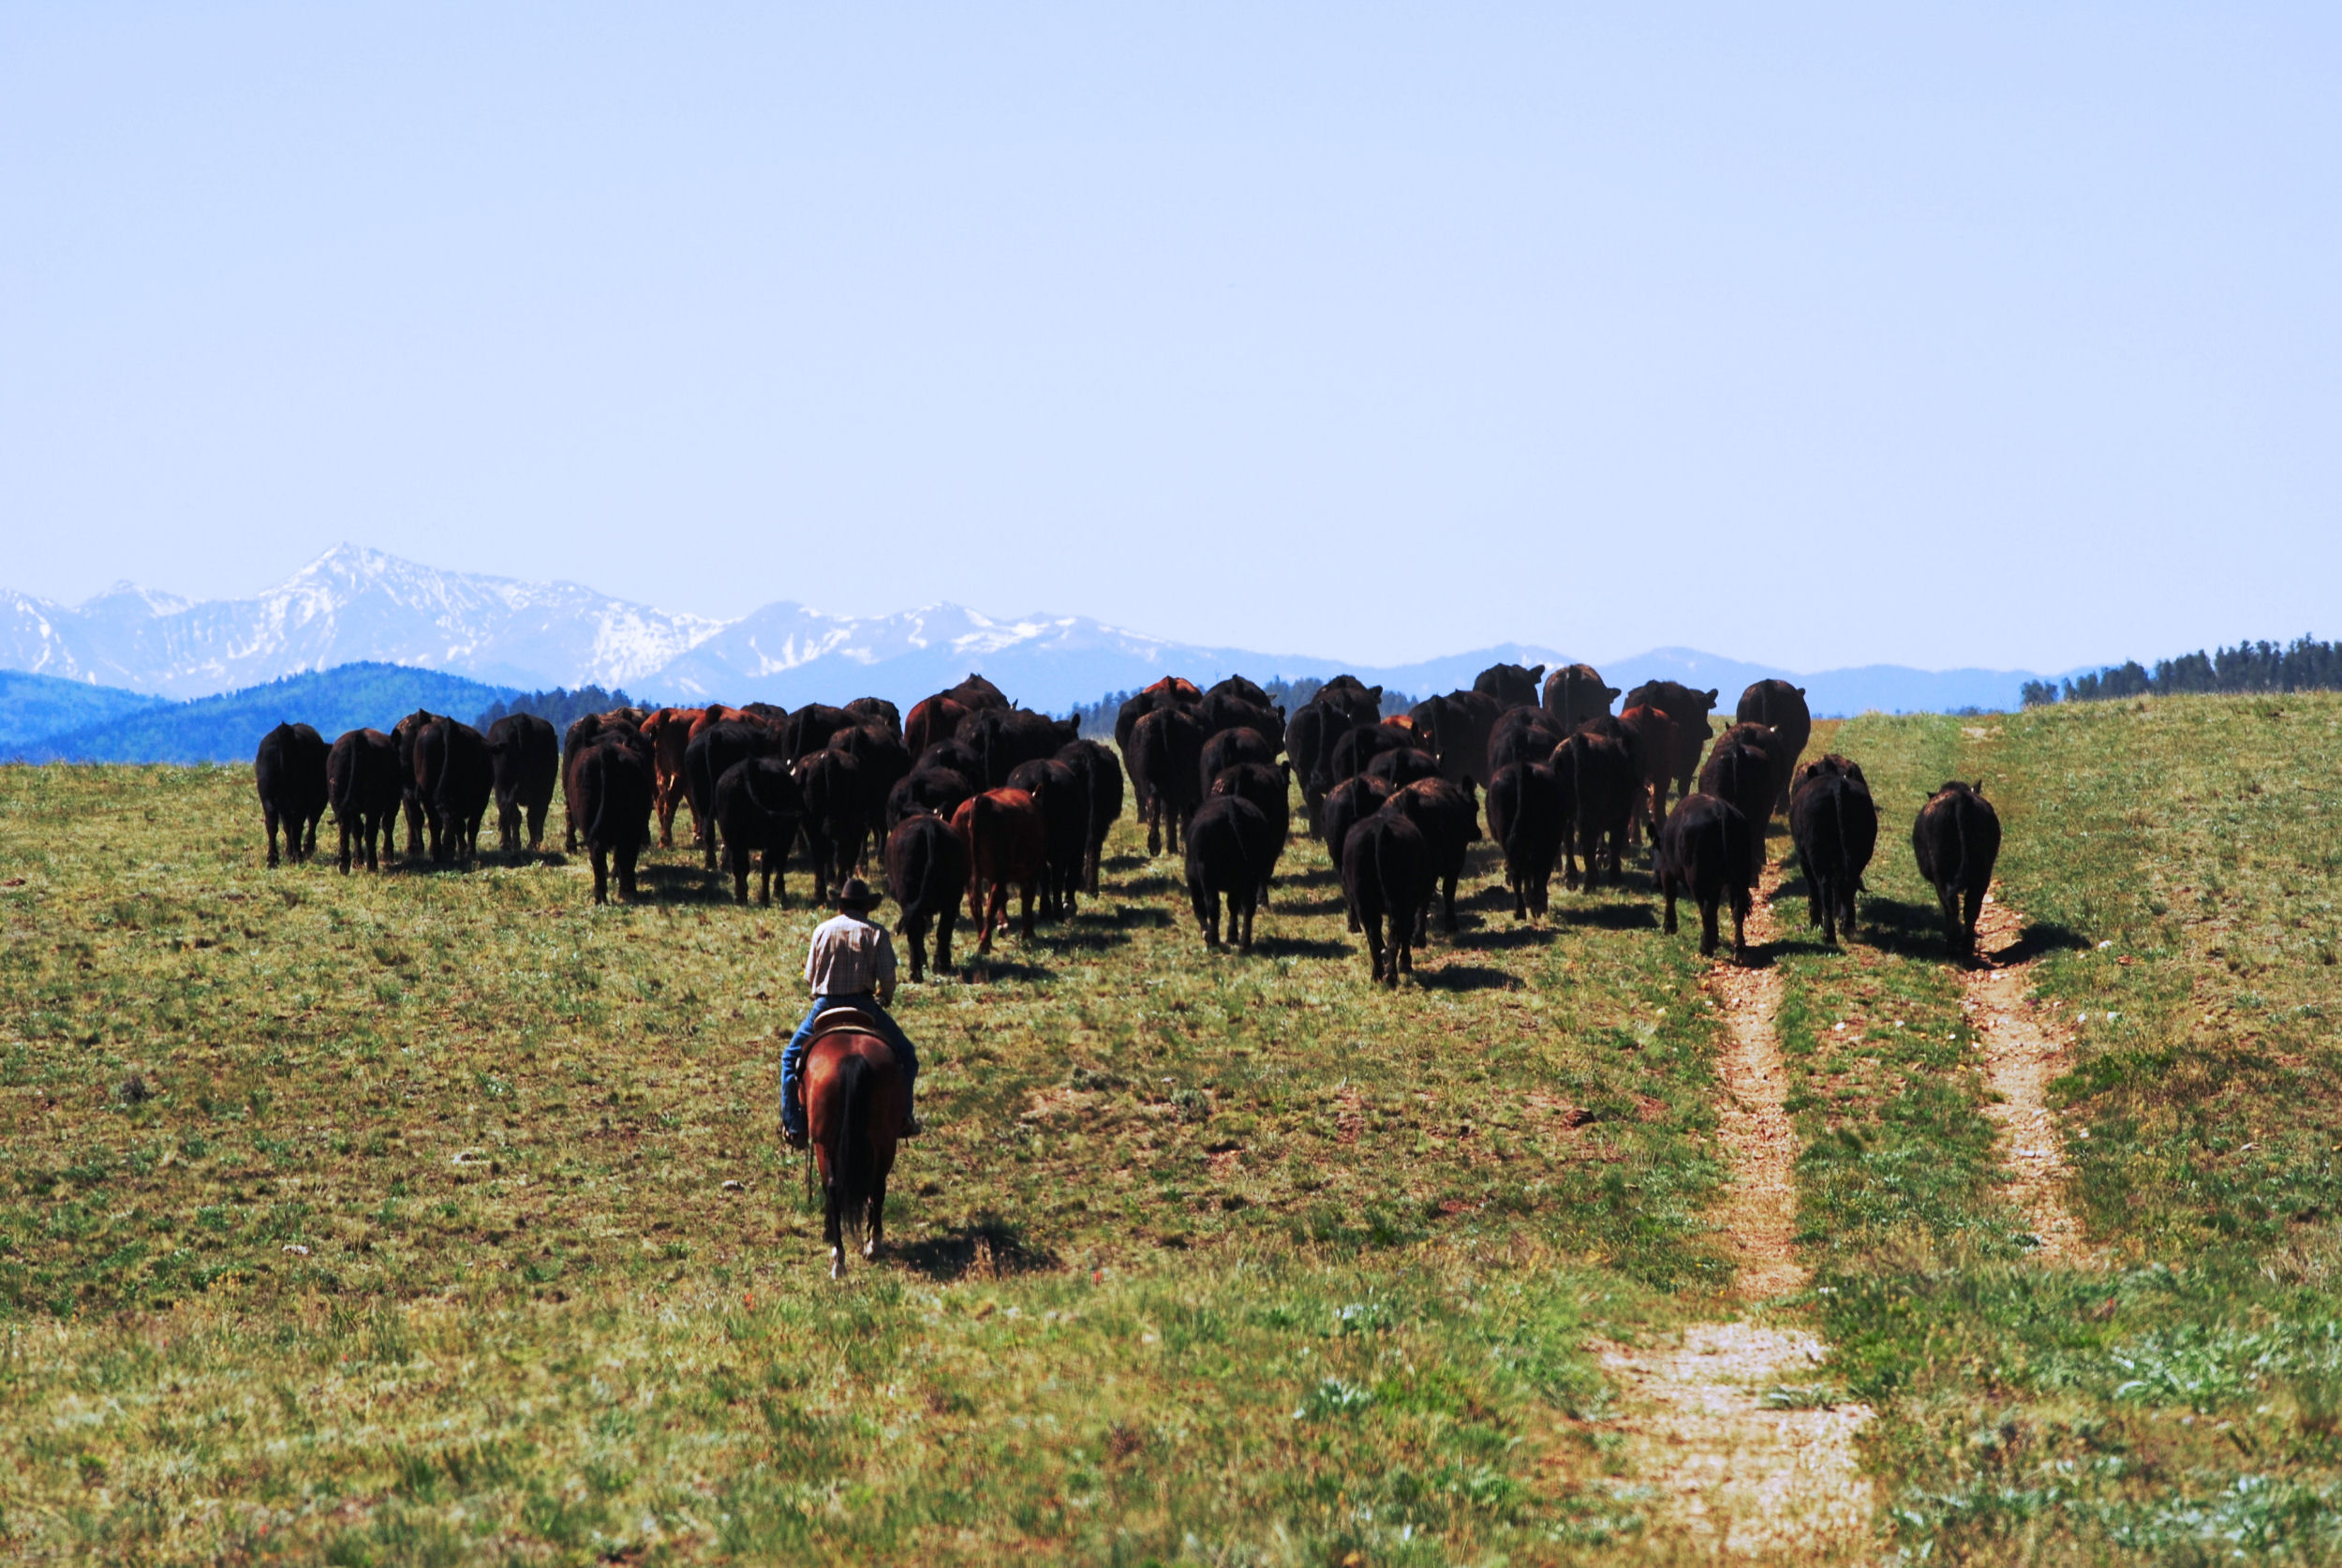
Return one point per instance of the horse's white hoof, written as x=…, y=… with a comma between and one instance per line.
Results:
x=838, y=1263
x=869, y=1249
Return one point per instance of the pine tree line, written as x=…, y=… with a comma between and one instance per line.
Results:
x=2305, y=664
x=560, y=707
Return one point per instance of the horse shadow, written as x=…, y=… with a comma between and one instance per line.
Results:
x=990, y=1246
x=1082, y=938
x=1501, y=938
x=989, y=970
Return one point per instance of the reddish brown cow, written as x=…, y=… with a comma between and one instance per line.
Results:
x=669, y=731
x=1654, y=745
x=1007, y=842
x=936, y=719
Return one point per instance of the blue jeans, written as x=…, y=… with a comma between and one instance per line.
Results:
x=793, y=1058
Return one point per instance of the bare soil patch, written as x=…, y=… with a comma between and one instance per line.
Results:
x=2024, y=1051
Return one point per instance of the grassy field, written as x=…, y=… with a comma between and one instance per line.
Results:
x=438, y=1218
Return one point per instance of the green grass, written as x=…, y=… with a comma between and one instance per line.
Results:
x=421, y=1246
x=2184, y=1405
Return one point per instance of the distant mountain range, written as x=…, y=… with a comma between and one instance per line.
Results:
x=357, y=606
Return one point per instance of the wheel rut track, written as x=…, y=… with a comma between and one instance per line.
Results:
x=2023, y=1052
x=1735, y=1478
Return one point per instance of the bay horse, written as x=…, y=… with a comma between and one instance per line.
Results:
x=853, y=1110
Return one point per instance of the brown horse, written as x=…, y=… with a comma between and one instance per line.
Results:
x=854, y=1106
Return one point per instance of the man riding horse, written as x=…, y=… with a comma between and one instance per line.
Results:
x=851, y=964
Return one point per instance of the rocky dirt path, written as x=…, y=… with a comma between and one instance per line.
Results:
x=2023, y=1052
x=1731, y=1427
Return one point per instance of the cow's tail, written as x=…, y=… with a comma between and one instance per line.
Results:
x=853, y=1169
x=1959, y=831
x=599, y=768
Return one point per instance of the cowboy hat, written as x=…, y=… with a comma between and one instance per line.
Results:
x=856, y=894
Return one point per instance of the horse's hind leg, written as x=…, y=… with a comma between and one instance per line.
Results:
x=875, y=1233
x=833, y=1232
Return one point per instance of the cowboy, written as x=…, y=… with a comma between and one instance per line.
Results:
x=850, y=964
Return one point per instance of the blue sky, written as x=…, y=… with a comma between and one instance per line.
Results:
x=1975, y=335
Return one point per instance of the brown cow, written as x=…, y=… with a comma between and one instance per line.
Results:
x=937, y=718
x=1007, y=842
x=1654, y=748
x=1783, y=706
x=669, y=731
x=1689, y=709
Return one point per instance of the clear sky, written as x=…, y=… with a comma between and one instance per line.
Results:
x=2005, y=335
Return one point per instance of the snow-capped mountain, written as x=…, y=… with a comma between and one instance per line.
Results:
x=353, y=605
x=347, y=605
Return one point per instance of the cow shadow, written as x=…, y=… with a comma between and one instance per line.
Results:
x=1082, y=938
x=1127, y=916
x=1453, y=976
x=1901, y=927
x=1310, y=876
x=987, y=1247
x=1307, y=906
x=1504, y=937
x=1300, y=947
x=690, y=885
x=2037, y=939
x=989, y=970
x=1606, y=916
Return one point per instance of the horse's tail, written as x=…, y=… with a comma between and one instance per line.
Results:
x=852, y=1169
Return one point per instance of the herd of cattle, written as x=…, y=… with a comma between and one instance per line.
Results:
x=971, y=796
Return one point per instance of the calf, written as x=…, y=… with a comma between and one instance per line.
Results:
x=1779, y=758
x=1740, y=771
x=1064, y=802
x=1230, y=849
x=1703, y=855
x=1166, y=759
x=611, y=784
x=1834, y=826
x=362, y=784
x=1007, y=842
x=1574, y=693
x=1599, y=774
x=759, y=811
x=1513, y=685
x=836, y=816
x=289, y=771
x=1351, y=802
x=1957, y=839
x=524, y=763
x=1102, y=775
x=1385, y=876
x=1781, y=707
x=1528, y=810
x=927, y=870
x=1449, y=816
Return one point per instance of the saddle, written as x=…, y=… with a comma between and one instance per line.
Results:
x=841, y=1020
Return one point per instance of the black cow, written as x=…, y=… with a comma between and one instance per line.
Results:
x=611, y=786
x=1238, y=687
x=1002, y=737
x=1600, y=775
x=1064, y=801
x=1703, y=855
x=1778, y=757
x=289, y=771
x=1957, y=839
x=884, y=757
x=1781, y=706
x=709, y=757
x=523, y=765
x=926, y=788
x=1165, y=759
x=1522, y=734
x=1168, y=692
x=953, y=755
x=1228, y=747
x=1350, y=803
x=1231, y=850
x=361, y=783
x=977, y=692
x=1513, y=685
x=1354, y=749
x=927, y=870
x=1102, y=775
x=1223, y=710
x=1268, y=788
x=1386, y=875
x=1834, y=826
x=1449, y=816
x=809, y=728
x=1459, y=724
x=1740, y=771
x=1689, y=709
x=1529, y=811
x=403, y=735
x=1574, y=693
x=581, y=734
x=759, y=809
x=1402, y=765
x=836, y=816
x=456, y=780
x=874, y=710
